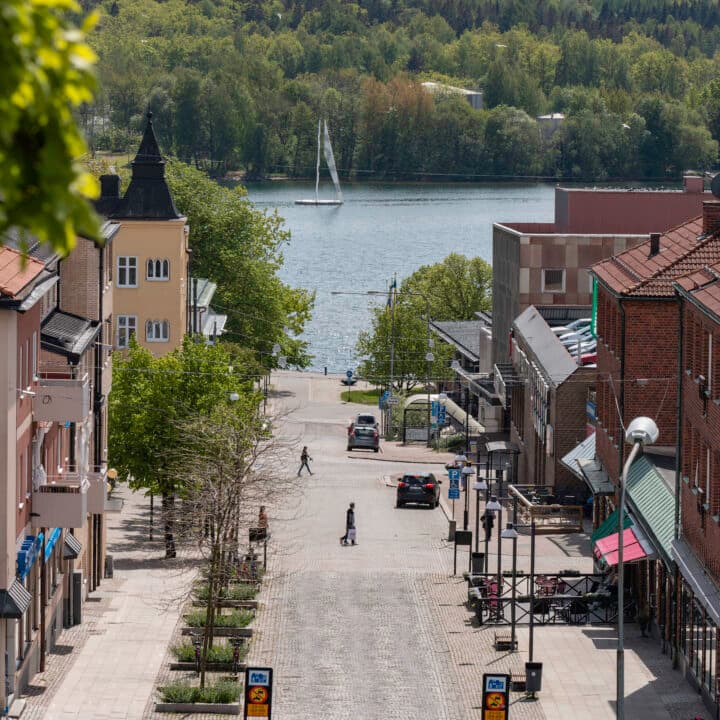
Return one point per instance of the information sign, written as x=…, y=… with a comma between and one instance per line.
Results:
x=392, y=400
x=496, y=697
x=454, y=485
x=258, y=693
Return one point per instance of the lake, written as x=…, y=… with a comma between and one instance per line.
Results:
x=379, y=231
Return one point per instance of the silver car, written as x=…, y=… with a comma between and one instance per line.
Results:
x=363, y=436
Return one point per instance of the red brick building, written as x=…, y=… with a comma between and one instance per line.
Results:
x=697, y=549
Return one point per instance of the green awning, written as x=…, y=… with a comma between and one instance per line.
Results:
x=653, y=504
x=610, y=526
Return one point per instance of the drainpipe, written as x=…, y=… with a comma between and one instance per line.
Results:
x=674, y=630
x=188, y=321
x=621, y=400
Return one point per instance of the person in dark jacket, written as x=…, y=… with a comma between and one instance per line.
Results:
x=488, y=522
x=304, y=457
x=349, y=524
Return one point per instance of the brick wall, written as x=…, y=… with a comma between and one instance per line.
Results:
x=700, y=442
x=79, y=282
x=570, y=419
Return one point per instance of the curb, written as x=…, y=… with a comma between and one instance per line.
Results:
x=395, y=460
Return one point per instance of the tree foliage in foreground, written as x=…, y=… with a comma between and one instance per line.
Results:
x=240, y=248
x=46, y=72
x=453, y=289
x=149, y=398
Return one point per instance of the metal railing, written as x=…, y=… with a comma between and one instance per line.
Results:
x=548, y=519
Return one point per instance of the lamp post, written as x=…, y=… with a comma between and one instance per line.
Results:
x=480, y=485
x=467, y=471
x=510, y=533
x=495, y=506
x=641, y=431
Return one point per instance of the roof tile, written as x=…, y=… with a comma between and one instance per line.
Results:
x=16, y=272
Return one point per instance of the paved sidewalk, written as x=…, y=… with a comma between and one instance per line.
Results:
x=105, y=668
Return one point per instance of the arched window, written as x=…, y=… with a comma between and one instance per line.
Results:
x=158, y=269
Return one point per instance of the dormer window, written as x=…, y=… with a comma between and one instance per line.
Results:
x=157, y=269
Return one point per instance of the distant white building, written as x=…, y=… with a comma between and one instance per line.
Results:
x=550, y=123
x=474, y=97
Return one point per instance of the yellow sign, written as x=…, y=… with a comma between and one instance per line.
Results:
x=258, y=695
x=495, y=715
x=495, y=701
x=257, y=711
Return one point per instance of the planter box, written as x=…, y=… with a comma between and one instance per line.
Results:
x=217, y=708
x=248, y=604
x=223, y=631
x=210, y=667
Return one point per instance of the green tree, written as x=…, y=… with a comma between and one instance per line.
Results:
x=240, y=248
x=46, y=72
x=149, y=398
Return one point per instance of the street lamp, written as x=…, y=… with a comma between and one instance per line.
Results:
x=494, y=506
x=467, y=471
x=479, y=486
x=510, y=533
x=641, y=431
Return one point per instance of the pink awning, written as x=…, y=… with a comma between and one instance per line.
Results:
x=607, y=548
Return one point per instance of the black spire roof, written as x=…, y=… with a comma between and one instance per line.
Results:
x=148, y=195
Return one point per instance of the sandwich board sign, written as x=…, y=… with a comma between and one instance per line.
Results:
x=258, y=693
x=495, y=697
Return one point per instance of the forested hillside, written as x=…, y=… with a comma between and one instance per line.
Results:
x=241, y=84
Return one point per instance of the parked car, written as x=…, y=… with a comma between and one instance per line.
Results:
x=579, y=324
x=362, y=420
x=575, y=338
x=363, y=436
x=420, y=488
x=589, y=358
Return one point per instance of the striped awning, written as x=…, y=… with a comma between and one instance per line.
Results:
x=72, y=547
x=610, y=526
x=635, y=547
x=14, y=601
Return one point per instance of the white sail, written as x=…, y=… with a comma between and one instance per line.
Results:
x=330, y=160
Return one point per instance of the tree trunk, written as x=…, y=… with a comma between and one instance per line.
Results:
x=168, y=506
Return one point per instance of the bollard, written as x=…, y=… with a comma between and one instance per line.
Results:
x=452, y=524
x=326, y=369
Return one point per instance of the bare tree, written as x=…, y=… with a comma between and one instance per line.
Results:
x=229, y=464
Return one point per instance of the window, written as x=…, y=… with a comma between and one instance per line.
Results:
x=126, y=326
x=157, y=330
x=127, y=272
x=553, y=281
x=157, y=269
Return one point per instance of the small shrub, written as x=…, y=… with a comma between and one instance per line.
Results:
x=224, y=691
x=185, y=652
x=239, y=592
x=234, y=619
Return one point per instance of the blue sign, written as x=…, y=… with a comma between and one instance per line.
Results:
x=441, y=415
x=382, y=402
x=454, y=487
x=349, y=373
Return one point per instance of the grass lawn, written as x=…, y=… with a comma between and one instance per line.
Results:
x=365, y=397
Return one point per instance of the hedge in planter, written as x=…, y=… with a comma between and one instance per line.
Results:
x=185, y=652
x=234, y=619
x=240, y=592
x=222, y=692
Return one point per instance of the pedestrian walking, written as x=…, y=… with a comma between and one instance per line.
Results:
x=304, y=457
x=488, y=522
x=350, y=530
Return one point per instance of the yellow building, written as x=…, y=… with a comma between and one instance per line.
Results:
x=150, y=254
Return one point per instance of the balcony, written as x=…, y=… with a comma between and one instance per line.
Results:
x=60, y=503
x=97, y=492
x=62, y=400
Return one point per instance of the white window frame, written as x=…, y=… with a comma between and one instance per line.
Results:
x=127, y=325
x=126, y=264
x=157, y=331
x=157, y=270
x=560, y=270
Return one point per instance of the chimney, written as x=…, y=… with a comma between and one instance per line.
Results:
x=711, y=216
x=654, y=244
x=693, y=183
x=110, y=186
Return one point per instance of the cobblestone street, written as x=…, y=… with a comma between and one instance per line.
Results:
x=376, y=631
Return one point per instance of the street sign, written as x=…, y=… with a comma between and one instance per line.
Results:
x=392, y=400
x=496, y=697
x=258, y=693
x=441, y=415
x=349, y=373
x=382, y=403
x=454, y=485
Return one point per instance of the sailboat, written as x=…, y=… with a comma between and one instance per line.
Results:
x=324, y=139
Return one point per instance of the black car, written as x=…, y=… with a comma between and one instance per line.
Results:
x=421, y=488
